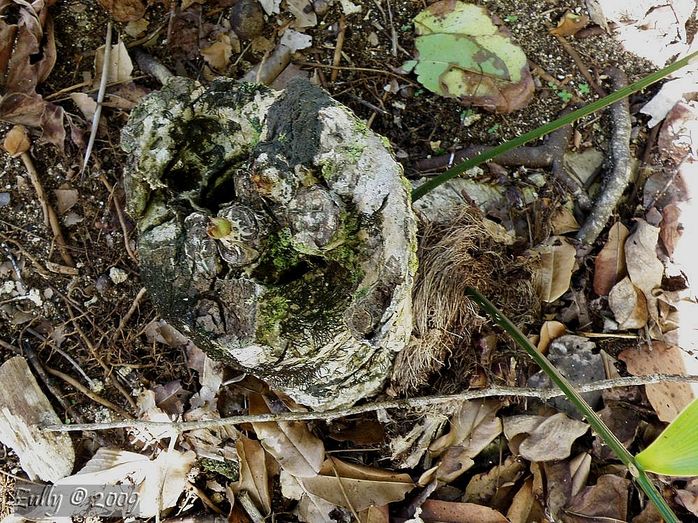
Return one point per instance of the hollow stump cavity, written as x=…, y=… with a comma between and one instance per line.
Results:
x=276, y=230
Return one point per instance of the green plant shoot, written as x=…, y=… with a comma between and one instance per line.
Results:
x=675, y=451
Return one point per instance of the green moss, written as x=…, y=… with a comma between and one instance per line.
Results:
x=273, y=309
x=226, y=468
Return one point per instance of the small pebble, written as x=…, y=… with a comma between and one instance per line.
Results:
x=118, y=275
x=4, y=199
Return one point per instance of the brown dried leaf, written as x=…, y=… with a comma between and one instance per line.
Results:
x=610, y=263
x=549, y=438
x=65, y=199
x=455, y=512
x=570, y=24
x=303, y=12
x=668, y=399
x=124, y=10
x=474, y=426
x=33, y=111
x=644, y=268
x=563, y=221
x=688, y=496
x=355, y=486
x=605, y=501
x=290, y=443
x=554, y=271
x=217, y=55
x=549, y=331
x=33, y=49
x=671, y=227
x=482, y=487
x=254, y=478
x=628, y=304
x=522, y=504
x=17, y=141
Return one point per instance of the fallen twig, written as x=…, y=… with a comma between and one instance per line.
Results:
x=148, y=64
x=426, y=401
x=337, y=58
x=120, y=215
x=618, y=179
x=106, y=65
x=580, y=65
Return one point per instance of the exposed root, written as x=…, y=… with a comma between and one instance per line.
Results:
x=468, y=250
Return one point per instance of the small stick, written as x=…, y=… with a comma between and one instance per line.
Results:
x=407, y=403
x=620, y=176
x=120, y=215
x=148, y=64
x=106, y=66
x=336, y=59
x=580, y=65
x=50, y=216
x=87, y=392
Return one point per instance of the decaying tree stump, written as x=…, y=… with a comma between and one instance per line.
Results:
x=276, y=230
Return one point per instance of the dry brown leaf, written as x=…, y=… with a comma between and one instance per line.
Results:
x=688, y=496
x=17, y=141
x=570, y=24
x=605, y=501
x=522, y=504
x=476, y=422
x=628, y=305
x=610, y=263
x=482, y=487
x=355, y=486
x=563, y=221
x=554, y=271
x=548, y=332
x=217, y=55
x=579, y=470
x=124, y=10
x=65, y=199
x=310, y=508
x=33, y=111
x=290, y=443
x=254, y=478
x=644, y=268
x=375, y=515
x=549, y=438
x=671, y=227
x=454, y=512
x=667, y=399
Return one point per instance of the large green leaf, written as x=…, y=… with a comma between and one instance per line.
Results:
x=675, y=451
x=463, y=54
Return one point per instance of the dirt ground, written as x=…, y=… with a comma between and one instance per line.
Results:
x=96, y=314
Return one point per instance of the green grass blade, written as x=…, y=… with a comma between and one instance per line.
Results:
x=551, y=126
x=675, y=451
x=576, y=399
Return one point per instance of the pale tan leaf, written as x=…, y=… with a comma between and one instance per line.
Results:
x=218, y=54
x=644, y=268
x=120, y=66
x=357, y=487
x=474, y=426
x=570, y=24
x=437, y=510
x=17, y=141
x=554, y=271
x=563, y=221
x=253, y=473
x=548, y=332
x=310, y=508
x=549, y=438
x=290, y=443
x=668, y=399
x=688, y=496
x=671, y=227
x=159, y=482
x=65, y=199
x=482, y=487
x=522, y=504
x=85, y=103
x=579, y=470
x=628, y=304
x=375, y=515
x=610, y=263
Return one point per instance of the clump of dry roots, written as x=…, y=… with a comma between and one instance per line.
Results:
x=468, y=250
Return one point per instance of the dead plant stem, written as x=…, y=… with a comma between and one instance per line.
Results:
x=406, y=403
